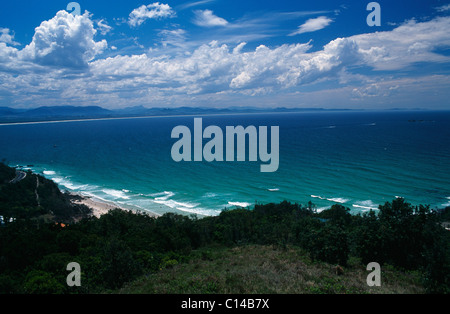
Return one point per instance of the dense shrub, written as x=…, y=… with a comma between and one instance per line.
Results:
x=121, y=245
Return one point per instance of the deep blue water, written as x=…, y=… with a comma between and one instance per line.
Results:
x=358, y=159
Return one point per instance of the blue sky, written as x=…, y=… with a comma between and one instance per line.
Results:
x=221, y=53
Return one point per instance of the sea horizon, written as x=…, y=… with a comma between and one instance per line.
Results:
x=198, y=111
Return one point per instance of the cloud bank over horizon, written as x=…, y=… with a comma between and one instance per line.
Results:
x=75, y=60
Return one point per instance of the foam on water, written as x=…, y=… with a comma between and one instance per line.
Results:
x=165, y=199
x=321, y=209
x=175, y=204
x=116, y=194
x=240, y=204
x=66, y=183
x=448, y=203
x=338, y=200
x=333, y=199
x=163, y=195
x=366, y=205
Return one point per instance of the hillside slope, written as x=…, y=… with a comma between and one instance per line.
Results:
x=262, y=269
x=25, y=195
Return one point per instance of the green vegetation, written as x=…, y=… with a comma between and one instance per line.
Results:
x=272, y=248
x=37, y=198
x=262, y=269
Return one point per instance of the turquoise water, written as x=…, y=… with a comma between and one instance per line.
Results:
x=358, y=159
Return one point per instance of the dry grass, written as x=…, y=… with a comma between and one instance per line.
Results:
x=267, y=270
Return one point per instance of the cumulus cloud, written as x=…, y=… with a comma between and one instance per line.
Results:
x=213, y=71
x=65, y=41
x=216, y=68
x=6, y=37
x=152, y=11
x=406, y=45
x=206, y=18
x=313, y=25
x=8, y=55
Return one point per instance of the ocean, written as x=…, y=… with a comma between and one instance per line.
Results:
x=359, y=159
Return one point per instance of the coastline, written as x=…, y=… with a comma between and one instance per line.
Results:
x=187, y=115
x=100, y=207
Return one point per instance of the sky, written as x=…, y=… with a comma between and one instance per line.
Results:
x=225, y=53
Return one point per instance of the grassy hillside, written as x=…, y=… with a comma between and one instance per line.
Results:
x=262, y=269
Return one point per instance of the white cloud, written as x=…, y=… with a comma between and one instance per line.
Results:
x=313, y=25
x=194, y=4
x=175, y=37
x=152, y=11
x=215, y=68
x=215, y=72
x=406, y=45
x=6, y=37
x=207, y=18
x=8, y=55
x=444, y=8
x=65, y=40
x=103, y=27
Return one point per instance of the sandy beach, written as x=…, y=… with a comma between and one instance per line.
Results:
x=100, y=207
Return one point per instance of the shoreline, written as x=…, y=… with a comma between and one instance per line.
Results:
x=101, y=207
x=170, y=116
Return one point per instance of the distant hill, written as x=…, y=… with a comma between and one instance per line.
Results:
x=69, y=111
x=49, y=113
x=6, y=111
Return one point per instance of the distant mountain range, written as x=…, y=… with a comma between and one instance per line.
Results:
x=46, y=113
